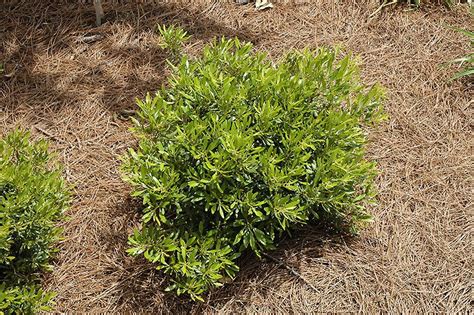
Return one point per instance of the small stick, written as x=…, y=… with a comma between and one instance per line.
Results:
x=383, y=5
x=291, y=270
x=50, y=135
x=90, y=39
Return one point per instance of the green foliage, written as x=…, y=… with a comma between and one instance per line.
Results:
x=172, y=39
x=32, y=199
x=467, y=60
x=237, y=151
x=27, y=299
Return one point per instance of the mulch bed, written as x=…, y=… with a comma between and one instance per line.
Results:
x=75, y=84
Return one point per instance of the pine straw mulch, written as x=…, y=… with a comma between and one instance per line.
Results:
x=75, y=84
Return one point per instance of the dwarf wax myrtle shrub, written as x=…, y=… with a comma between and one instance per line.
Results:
x=33, y=198
x=236, y=151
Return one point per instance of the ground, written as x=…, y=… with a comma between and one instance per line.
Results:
x=75, y=84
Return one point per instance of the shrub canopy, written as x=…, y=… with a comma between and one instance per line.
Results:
x=237, y=150
x=33, y=198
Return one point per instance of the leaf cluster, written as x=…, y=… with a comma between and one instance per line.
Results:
x=172, y=39
x=25, y=299
x=236, y=151
x=33, y=198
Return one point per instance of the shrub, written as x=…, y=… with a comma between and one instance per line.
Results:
x=237, y=151
x=32, y=199
x=25, y=299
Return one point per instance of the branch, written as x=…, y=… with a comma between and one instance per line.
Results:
x=290, y=269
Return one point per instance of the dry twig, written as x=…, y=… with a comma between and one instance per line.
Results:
x=291, y=270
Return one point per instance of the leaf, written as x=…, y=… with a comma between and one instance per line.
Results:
x=193, y=184
x=465, y=73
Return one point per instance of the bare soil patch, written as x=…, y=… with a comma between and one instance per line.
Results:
x=74, y=84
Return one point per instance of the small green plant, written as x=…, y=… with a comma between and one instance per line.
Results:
x=33, y=198
x=236, y=151
x=172, y=39
x=467, y=60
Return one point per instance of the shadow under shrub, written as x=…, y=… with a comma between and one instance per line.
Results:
x=33, y=197
x=237, y=150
